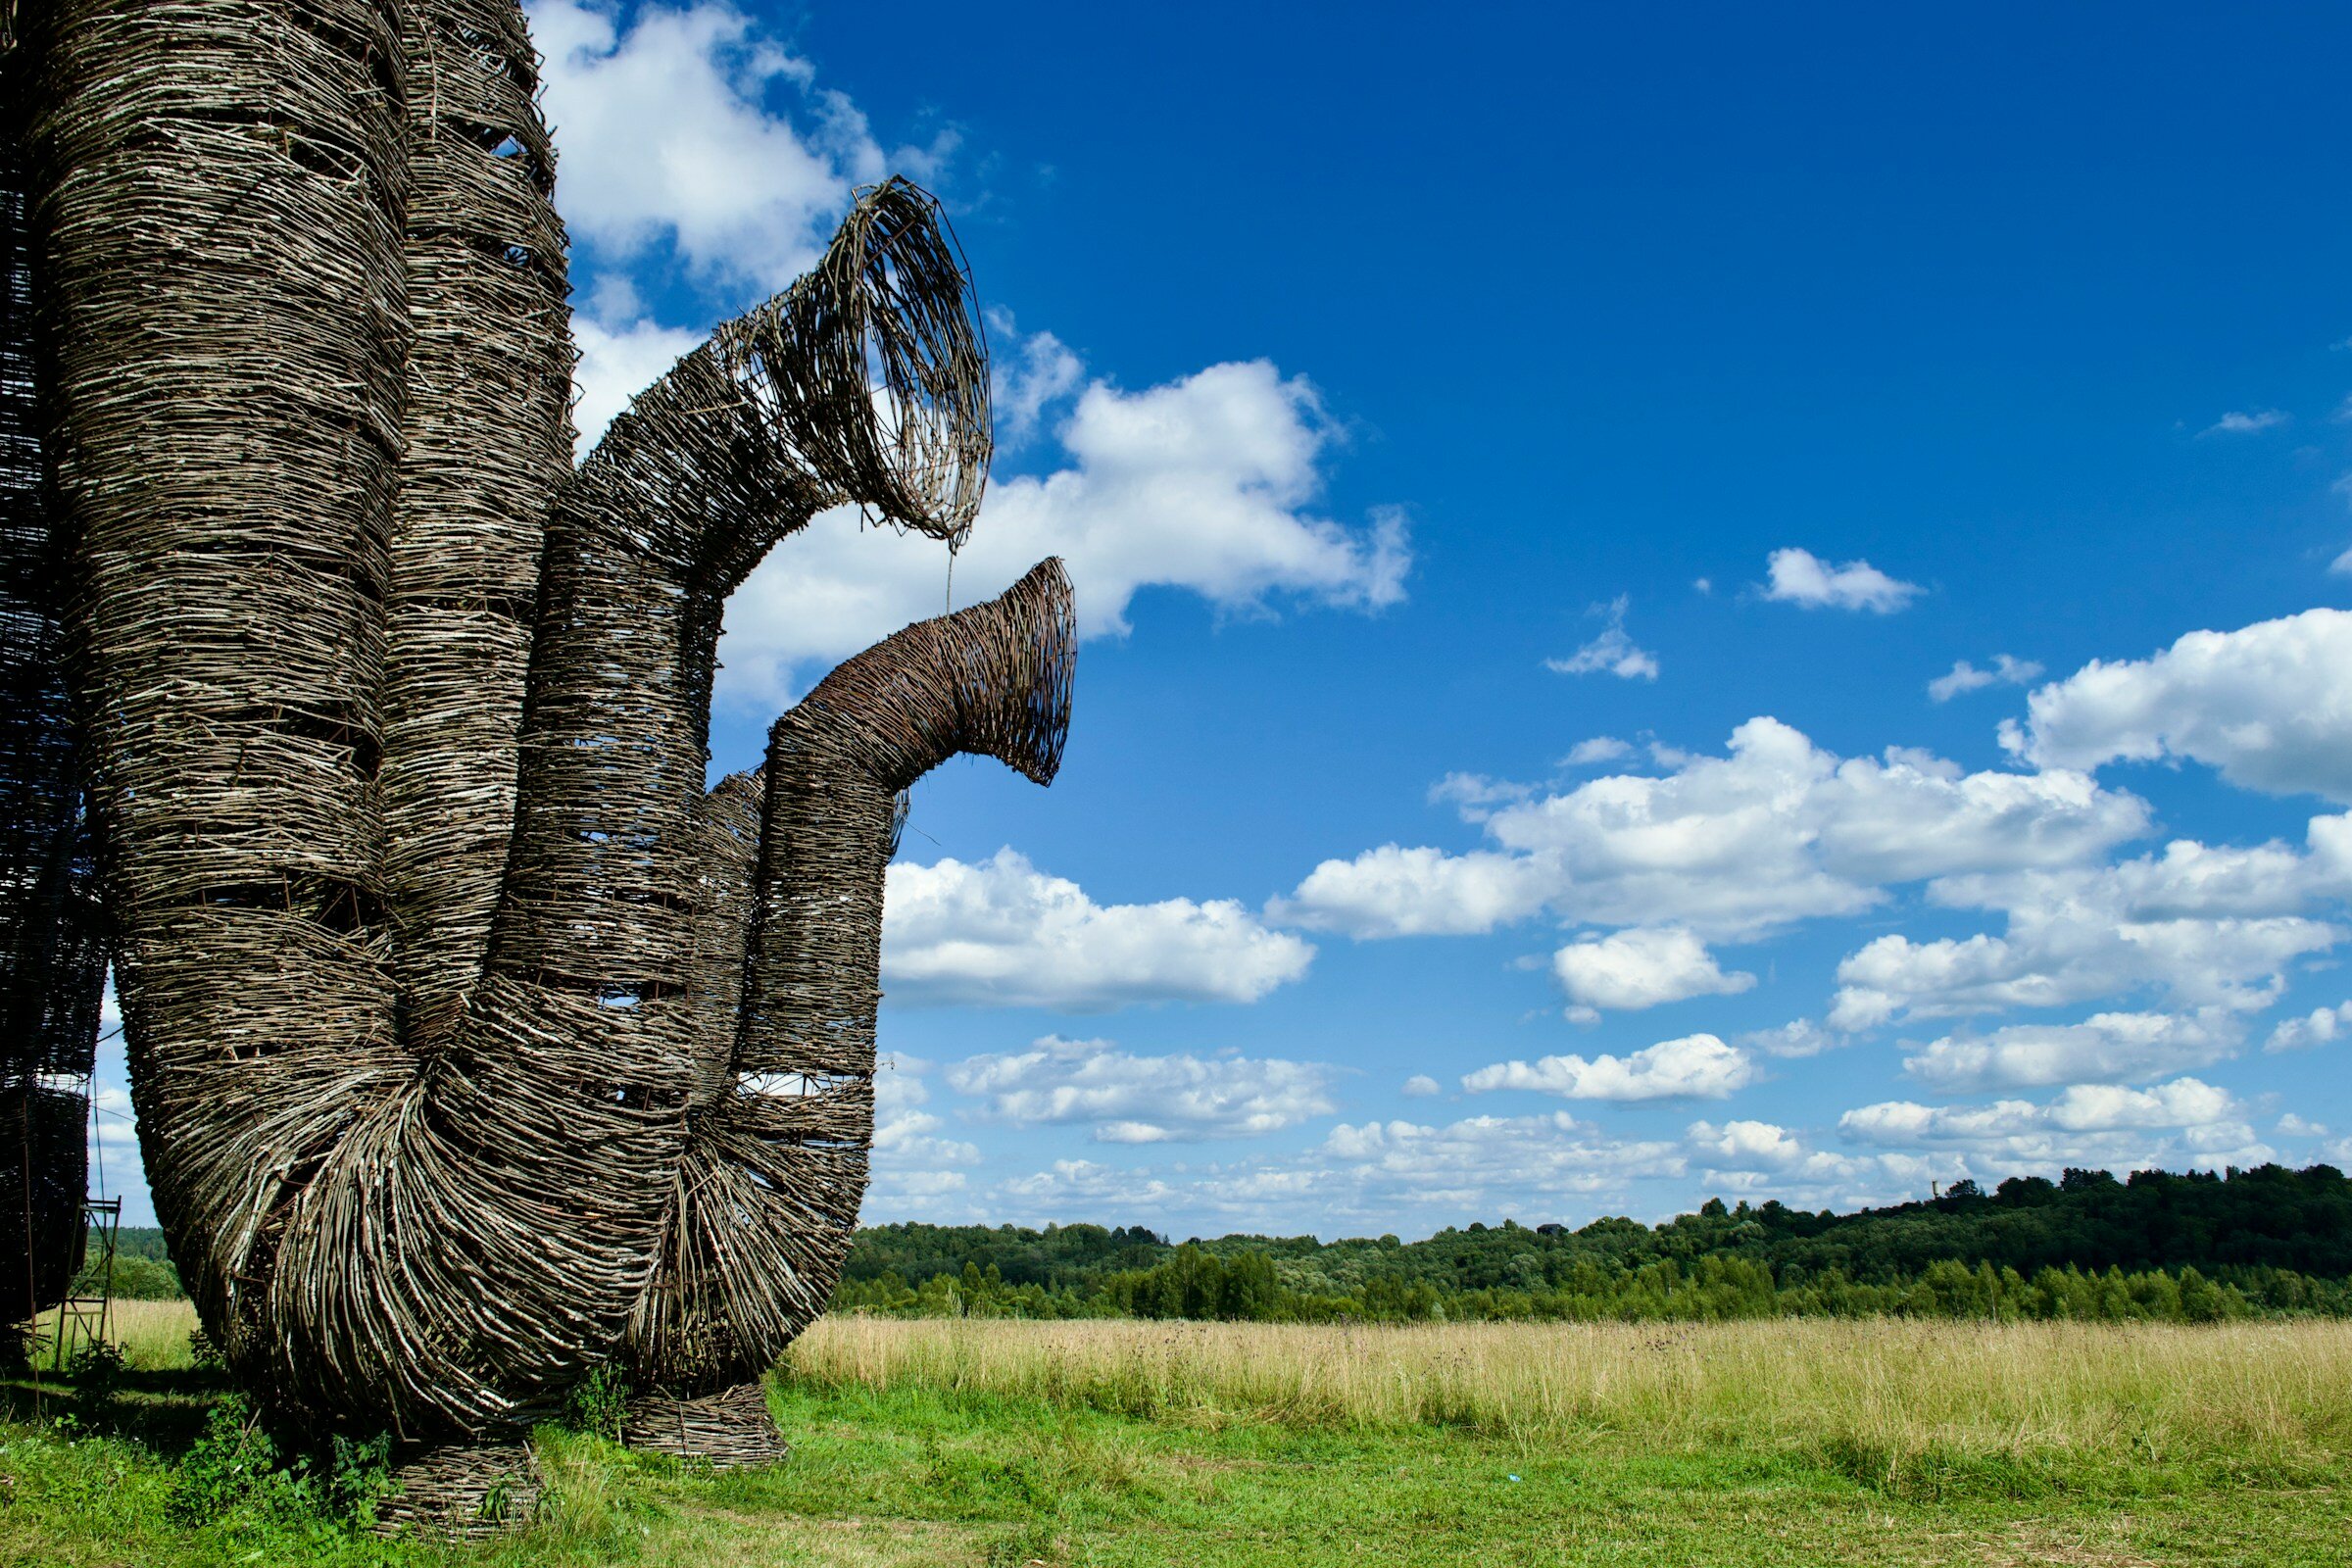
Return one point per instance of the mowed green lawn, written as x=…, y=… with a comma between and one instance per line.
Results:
x=1780, y=1444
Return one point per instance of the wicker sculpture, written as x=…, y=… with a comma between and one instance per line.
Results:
x=51, y=961
x=474, y=1043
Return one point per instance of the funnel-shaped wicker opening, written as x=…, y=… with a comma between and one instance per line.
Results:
x=874, y=369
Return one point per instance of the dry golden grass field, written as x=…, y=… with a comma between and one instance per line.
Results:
x=1781, y=1443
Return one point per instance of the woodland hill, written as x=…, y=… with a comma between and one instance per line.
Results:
x=2174, y=1248
x=2193, y=1246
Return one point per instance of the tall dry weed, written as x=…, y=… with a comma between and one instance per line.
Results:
x=153, y=1335
x=2277, y=1393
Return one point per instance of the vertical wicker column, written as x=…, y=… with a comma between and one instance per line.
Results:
x=217, y=202
x=487, y=444
x=51, y=961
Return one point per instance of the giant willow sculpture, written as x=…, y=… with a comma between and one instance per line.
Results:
x=475, y=1045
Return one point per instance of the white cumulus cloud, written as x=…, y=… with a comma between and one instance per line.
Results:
x=2269, y=705
x=617, y=364
x=2198, y=925
x=1612, y=652
x=2107, y=1048
x=1475, y=795
x=1758, y=1156
x=1746, y=1144
x=2318, y=1027
x=1001, y=933
x=1483, y=1164
x=1030, y=376
x=675, y=148
x=1130, y=1099
x=914, y=1167
x=1380, y=1176
x=1801, y=577
x=1967, y=677
x=1800, y=1037
x=2244, y=422
x=2185, y=1100
x=1397, y=892
x=114, y=1136
x=2185, y=1120
x=668, y=141
x=1597, y=749
x=1206, y=484
x=1776, y=831
x=1643, y=967
x=1698, y=1065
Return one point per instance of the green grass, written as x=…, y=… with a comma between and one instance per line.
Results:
x=1000, y=1445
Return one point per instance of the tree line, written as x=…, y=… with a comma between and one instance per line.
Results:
x=2190, y=1247
x=2156, y=1247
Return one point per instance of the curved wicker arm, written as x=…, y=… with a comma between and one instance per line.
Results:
x=765, y=1200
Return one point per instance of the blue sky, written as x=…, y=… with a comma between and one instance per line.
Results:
x=1678, y=600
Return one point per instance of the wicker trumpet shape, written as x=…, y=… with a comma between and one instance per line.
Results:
x=475, y=1044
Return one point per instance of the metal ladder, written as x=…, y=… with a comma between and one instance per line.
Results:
x=86, y=1318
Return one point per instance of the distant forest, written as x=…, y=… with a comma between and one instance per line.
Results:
x=2190, y=1247
x=2187, y=1248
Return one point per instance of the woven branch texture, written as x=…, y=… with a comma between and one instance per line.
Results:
x=475, y=1044
x=52, y=963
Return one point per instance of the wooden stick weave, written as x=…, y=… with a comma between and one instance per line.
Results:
x=52, y=957
x=436, y=956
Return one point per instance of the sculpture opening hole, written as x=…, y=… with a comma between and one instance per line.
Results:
x=331, y=729
x=507, y=146
x=343, y=908
x=518, y=258
x=793, y=1085
x=333, y=162
x=874, y=366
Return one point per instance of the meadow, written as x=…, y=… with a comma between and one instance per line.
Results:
x=999, y=1442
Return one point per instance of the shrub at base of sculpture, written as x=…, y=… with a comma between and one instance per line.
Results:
x=477, y=1046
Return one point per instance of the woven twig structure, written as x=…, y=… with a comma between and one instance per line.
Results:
x=731, y=1429
x=461, y=1490
x=52, y=964
x=765, y=1200
x=475, y=1044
